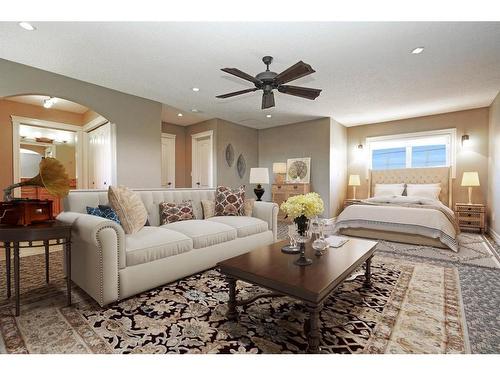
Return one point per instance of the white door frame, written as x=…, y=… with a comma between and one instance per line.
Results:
x=80, y=149
x=171, y=160
x=194, y=161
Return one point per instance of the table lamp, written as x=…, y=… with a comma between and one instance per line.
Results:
x=470, y=179
x=259, y=176
x=354, y=181
x=279, y=169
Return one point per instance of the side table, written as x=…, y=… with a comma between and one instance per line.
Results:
x=15, y=237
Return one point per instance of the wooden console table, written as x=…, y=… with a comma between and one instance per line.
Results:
x=15, y=237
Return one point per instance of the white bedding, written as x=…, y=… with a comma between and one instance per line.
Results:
x=391, y=216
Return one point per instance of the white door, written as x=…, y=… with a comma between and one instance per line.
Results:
x=168, y=160
x=202, y=167
x=100, y=157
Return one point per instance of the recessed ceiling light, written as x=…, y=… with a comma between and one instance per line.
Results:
x=195, y=89
x=180, y=115
x=27, y=26
x=195, y=110
x=269, y=116
x=417, y=50
x=48, y=103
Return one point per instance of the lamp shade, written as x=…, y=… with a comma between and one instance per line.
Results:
x=259, y=175
x=470, y=179
x=279, y=168
x=354, y=180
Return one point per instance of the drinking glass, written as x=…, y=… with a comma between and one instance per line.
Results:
x=302, y=239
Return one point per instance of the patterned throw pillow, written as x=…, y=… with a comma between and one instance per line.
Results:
x=229, y=202
x=105, y=212
x=172, y=212
x=129, y=208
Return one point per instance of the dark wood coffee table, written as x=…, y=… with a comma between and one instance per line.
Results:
x=271, y=269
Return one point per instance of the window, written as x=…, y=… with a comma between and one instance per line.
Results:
x=413, y=150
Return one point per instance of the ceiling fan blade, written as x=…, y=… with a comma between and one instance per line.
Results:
x=243, y=75
x=303, y=92
x=296, y=71
x=267, y=99
x=236, y=93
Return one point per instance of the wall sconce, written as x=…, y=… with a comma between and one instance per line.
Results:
x=465, y=140
x=360, y=147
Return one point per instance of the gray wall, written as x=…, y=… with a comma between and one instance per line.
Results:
x=245, y=141
x=304, y=139
x=338, y=167
x=494, y=168
x=138, y=120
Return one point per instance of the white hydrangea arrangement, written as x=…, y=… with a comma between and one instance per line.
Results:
x=308, y=205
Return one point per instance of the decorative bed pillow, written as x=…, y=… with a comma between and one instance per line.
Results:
x=429, y=191
x=105, y=212
x=172, y=212
x=129, y=208
x=388, y=189
x=229, y=202
x=208, y=208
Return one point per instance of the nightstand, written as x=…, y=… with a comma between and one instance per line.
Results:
x=348, y=202
x=471, y=216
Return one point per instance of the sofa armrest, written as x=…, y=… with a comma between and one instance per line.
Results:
x=268, y=212
x=98, y=253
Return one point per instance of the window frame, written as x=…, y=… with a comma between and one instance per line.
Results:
x=408, y=139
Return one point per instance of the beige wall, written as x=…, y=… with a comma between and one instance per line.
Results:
x=338, y=167
x=473, y=122
x=494, y=168
x=180, y=152
x=304, y=139
x=138, y=120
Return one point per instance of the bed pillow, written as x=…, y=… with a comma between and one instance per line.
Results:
x=172, y=212
x=429, y=191
x=388, y=189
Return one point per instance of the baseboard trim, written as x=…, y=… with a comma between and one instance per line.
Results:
x=494, y=235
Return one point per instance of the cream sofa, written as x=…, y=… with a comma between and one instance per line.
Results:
x=110, y=265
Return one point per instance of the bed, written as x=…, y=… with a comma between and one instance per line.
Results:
x=415, y=222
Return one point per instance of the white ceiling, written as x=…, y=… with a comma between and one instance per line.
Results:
x=366, y=70
x=61, y=104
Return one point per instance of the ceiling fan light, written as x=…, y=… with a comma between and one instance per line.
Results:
x=269, y=116
x=27, y=26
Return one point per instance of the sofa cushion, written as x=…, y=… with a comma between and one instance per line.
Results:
x=129, y=207
x=244, y=225
x=171, y=212
x=204, y=233
x=152, y=243
x=229, y=202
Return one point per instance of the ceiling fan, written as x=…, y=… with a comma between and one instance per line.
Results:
x=268, y=81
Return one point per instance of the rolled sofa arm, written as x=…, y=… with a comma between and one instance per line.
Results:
x=268, y=212
x=98, y=252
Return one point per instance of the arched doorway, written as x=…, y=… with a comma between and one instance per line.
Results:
x=81, y=139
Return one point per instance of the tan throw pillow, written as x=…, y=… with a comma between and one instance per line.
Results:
x=229, y=202
x=129, y=208
x=208, y=208
x=249, y=206
x=172, y=212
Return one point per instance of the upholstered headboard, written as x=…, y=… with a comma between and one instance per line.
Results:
x=415, y=176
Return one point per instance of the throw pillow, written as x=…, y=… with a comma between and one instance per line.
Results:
x=249, y=206
x=105, y=212
x=208, y=208
x=229, y=202
x=129, y=208
x=172, y=212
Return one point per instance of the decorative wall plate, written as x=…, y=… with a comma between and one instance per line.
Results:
x=229, y=155
x=241, y=166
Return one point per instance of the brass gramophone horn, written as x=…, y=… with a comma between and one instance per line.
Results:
x=52, y=176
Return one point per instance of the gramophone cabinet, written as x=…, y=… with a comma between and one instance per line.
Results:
x=25, y=211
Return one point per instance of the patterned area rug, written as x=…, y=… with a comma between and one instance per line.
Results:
x=474, y=249
x=411, y=308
